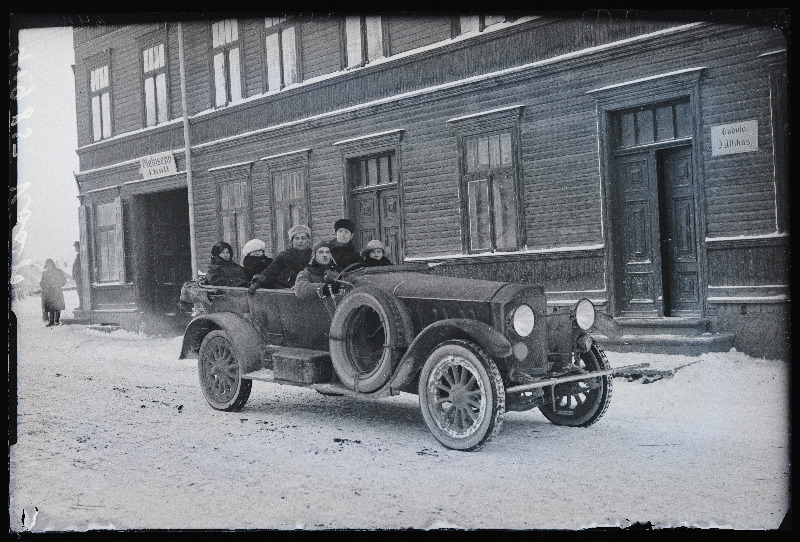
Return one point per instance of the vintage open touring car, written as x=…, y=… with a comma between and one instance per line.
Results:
x=455, y=342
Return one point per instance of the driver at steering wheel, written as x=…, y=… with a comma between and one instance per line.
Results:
x=318, y=279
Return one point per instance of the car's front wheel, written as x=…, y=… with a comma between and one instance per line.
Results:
x=221, y=374
x=461, y=395
x=581, y=403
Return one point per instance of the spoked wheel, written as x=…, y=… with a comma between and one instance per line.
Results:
x=461, y=395
x=221, y=374
x=583, y=402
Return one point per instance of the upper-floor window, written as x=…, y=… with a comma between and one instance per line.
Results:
x=281, y=52
x=226, y=61
x=101, y=103
x=364, y=39
x=477, y=23
x=155, y=85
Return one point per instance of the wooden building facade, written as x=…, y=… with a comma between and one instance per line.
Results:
x=639, y=163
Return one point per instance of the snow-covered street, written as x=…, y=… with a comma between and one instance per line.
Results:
x=114, y=433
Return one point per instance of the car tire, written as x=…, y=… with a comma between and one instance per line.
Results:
x=582, y=403
x=221, y=374
x=461, y=395
x=368, y=335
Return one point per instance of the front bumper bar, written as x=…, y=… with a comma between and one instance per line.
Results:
x=571, y=378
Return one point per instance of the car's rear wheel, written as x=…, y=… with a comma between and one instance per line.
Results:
x=461, y=395
x=581, y=403
x=368, y=335
x=221, y=374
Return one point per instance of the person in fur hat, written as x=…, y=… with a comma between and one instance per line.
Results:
x=255, y=258
x=375, y=253
x=283, y=270
x=223, y=271
x=341, y=246
x=52, y=297
x=321, y=272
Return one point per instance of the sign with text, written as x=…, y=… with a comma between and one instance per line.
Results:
x=157, y=165
x=734, y=138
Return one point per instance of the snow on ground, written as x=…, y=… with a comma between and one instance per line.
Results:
x=114, y=433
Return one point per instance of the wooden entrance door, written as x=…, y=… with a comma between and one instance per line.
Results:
x=377, y=216
x=657, y=265
x=679, y=235
x=637, y=228
x=169, y=250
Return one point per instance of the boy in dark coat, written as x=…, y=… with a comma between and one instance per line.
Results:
x=223, y=271
x=375, y=253
x=342, y=249
x=255, y=258
x=320, y=272
x=283, y=270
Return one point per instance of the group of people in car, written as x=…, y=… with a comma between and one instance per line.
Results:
x=310, y=271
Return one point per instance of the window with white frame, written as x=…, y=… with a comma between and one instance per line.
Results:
x=226, y=62
x=280, y=44
x=234, y=213
x=155, y=85
x=364, y=39
x=100, y=103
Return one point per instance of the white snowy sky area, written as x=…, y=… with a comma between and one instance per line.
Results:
x=47, y=207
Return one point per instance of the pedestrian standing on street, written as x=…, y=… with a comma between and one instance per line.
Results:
x=77, y=275
x=342, y=249
x=254, y=258
x=52, y=296
x=283, y=270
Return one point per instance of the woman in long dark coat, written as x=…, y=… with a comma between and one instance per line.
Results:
x=223, y=271
x=52, y=296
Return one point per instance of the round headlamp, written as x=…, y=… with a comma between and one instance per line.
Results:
x=523, y=320
x=584, y=314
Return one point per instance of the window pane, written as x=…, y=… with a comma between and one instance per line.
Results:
x=627, y=130
x=273, y=63
x=644, y=126
x=161, y=61
x=150, y=101
x=220, y=92
x=505, y=149
x=494, y=150
x=97, y=130
x=289, y=57
x=106, y=107
x=472, y=154
x=478, y=201
x=683, y=119
x=280, y=230
x=161, y=94
x=483, y=152
x=215, y=34
x=470, y=23
x=372, y=172
x=489, y=20
x=385, y=175
x=352, y=27
x=505, y=211
x=664, y=123
x=146, y=60
x=236, y=76
x=241, y=232
x=227, y=229
x=106, y=214
x=374, y=37
x=234, y=30
x=104, y=77
x=94, y=85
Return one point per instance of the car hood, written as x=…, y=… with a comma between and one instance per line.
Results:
x=410, y=285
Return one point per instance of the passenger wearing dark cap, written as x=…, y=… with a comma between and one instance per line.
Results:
x=342, y=249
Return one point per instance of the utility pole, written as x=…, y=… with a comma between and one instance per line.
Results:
x=187, y=150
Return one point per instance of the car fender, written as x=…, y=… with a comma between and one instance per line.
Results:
x=243, y=336
x=491, y=340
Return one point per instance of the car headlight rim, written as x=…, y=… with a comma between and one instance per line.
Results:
x=585, y=314
x=523, y=320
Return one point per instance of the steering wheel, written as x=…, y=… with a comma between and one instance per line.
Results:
x=349, y=269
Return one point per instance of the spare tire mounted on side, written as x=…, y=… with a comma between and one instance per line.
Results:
x=369, y=334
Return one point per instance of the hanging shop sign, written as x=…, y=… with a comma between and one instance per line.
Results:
x=157, y=165
x=734, y=138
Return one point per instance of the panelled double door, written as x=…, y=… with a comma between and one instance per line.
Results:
x=657, y=261
x=377, y=216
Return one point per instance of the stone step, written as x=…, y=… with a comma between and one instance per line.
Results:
x=661, y=326
x=668, y=343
